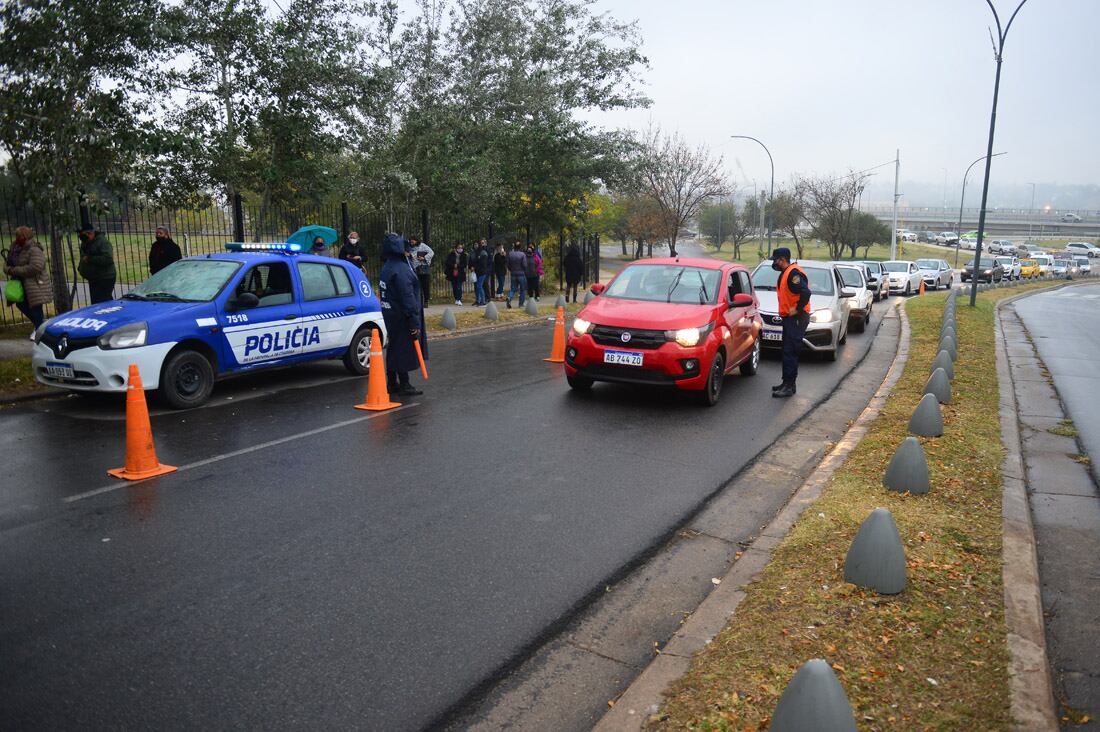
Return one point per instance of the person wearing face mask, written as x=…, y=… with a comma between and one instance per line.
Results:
x=793, y=292
x=320, y=248
x=455, y=269
x=352, y=251
x=26, y=262
x=163, y=252
x=97, y=264
x=423, y=255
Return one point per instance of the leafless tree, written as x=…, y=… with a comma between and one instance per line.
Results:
x=679, y=178
x=830, y=203
x=788, y=213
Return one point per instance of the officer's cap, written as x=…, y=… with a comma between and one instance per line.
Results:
x=781, y=253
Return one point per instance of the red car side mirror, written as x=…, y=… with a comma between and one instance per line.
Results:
x=741, y=300
x=598, y=288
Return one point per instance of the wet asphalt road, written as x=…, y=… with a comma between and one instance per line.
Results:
x=367, y=575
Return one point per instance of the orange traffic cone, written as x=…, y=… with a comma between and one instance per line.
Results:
x=378, y=397
x=141, y=456
x=557, y=351
x=921, y=291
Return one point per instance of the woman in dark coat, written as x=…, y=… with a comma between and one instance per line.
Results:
x=163, y=252
x=455, y=270
x=574, y=268
x=403, y=311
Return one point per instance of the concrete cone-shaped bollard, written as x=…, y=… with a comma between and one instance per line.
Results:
x=876, y=559
x=939, y=385
x=449, y=321
x=948, y=331
x=560, y=302
x=491, y=312
x=927, y=421
x=814, y=701
x=943, y=361
x=908, y=469
x=532, y=308
x=947, y=343
x=588, y=297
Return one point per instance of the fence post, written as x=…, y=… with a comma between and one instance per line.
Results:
x=490, y=228
x=425, y=226
x=561, y=260
x=345, y=222
x=584, y=259
x=238, y=218
x=85, y=215
x=527, y=235
x=597, y=238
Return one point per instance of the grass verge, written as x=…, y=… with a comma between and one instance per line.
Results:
x=16, y=378
x=468, y=318
x=933, y=657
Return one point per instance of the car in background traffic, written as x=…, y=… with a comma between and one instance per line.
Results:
x=1001, y=246
x=828, y=329
x=1083, y=264
x=1083, y=248
x=1071, y=218
x=936, y=273
x=203, y=317
x=877, y=280
x=968, y=242
x=1011, y=266
x=927, y=237
x=1033, y=249
x=947, y=238
x=854, y=277
x=904, y=277
x=1061, y=268
x=1029, y=269
x=988, y=271
x=1045, y=262
x=678, y=322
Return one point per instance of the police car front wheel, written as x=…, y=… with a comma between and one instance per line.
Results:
x=357, y=357
x=186, y=379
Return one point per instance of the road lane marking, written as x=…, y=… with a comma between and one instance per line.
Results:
x=237, y=453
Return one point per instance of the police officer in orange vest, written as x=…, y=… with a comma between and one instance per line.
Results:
x=794, y=305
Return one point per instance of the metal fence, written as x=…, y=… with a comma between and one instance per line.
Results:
x=130, y=227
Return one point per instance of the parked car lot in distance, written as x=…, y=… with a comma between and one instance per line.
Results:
x=1083, y=247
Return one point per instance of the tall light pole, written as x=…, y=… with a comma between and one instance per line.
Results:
x=771, y=191
x=998, y=55
x=962, y=198
x=945, y=196
x=894, y=236
x=1031, y=211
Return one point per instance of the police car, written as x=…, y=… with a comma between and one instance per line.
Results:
x=253, y=306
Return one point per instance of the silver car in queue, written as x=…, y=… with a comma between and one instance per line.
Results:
x=829, y=308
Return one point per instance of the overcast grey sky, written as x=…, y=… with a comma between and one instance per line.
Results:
x=833, y=84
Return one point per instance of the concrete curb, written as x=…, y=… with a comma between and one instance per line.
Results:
x=646, y=693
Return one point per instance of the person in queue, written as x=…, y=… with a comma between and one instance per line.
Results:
x=26, y=262
x=500, y=270
x=164, y=251
x=97, y=264
x=403, y=311
x=352, y=250
x=517, y=268
x=793, y=291
x=455, y=268
x=422, y=256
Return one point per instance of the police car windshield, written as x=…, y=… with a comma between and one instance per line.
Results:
x=188, y=280
x=666, y=283
x=821, y=280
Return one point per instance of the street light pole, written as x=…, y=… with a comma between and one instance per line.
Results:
x=1031, y=211
x=894, y=236
x=771, y=190
x=962, y=198
x=998, y=55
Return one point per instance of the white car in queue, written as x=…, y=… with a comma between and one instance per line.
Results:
x=854, y=275
x=904, y=277
x=1011, y=264
x=936, y=273
x=254, y=306
x=828, y=329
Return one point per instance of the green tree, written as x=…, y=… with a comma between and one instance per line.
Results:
x=788, y=210
x=864, y=231
x=72, y=80
x=722, y=222
x=830, y=205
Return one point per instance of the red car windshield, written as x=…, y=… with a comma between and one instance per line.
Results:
x=666, y=283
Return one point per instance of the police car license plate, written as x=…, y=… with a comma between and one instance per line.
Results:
x=773, y=335
x=60, y=370
x=623, y=358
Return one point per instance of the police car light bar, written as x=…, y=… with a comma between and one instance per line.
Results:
x=275, y=246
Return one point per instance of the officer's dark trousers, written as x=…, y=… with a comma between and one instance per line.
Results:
x=101, y=290
x=794, y=329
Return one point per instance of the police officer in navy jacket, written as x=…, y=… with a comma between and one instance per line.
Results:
x=793, y=291
x=403, y=311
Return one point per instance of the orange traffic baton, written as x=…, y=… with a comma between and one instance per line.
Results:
x=141, y=456
x=557, y=350
x=420, y=356
x=378, y=396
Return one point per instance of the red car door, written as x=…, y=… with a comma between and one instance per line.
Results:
x=739, y=340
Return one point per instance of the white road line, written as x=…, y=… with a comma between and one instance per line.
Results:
x=237, y=453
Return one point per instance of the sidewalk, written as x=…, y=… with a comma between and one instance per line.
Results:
x=1050, y=373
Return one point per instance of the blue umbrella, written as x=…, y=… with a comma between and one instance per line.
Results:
x=307, y=234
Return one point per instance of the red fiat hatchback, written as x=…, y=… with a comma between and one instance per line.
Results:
x=670, y=322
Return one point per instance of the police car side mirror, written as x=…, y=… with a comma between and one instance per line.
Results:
x=245, y=301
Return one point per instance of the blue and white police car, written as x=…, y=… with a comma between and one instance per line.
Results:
x=253, y=306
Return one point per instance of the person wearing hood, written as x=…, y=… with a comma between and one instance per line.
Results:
x=455, y=268
x=97, y=264
x=163, y=252
x=352, y=251
x=573, y=265
x=500, y=269
x=403, y=311
x=422, y=256
x=26, y=262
